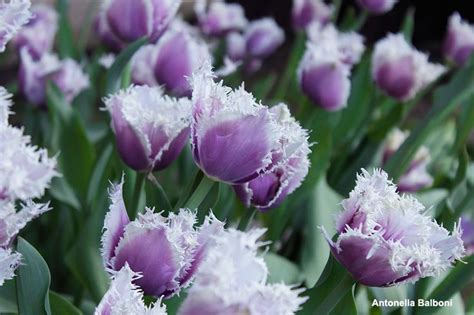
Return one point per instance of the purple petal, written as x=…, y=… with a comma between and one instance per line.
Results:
x=130, y=19
x=396, y=78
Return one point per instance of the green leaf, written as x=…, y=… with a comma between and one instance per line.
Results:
x=98, y=175
x=457, y=308
x=65, y=39
x=315, y=251
x=347, y=305
x=8, y=297
x=61, y=191
x=409, y=24
x=281, y=269
x=32, y=281
x=200, y=193
x=396, y=293
x=114, y=75
x=465, y=123
x=61, y=306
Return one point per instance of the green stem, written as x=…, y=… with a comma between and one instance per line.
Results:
x=198, y=196
x=161, y=191
x=137, y=191
x=333, y=298
x=245, y=221
x=361, y=19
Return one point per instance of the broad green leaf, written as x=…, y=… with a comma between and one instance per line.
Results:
x=65, y=39
x=396, y=293
x=347, y=305
x=100, y=170
x=465, y=123
x=8, y=297
x=315, y=251
x=281, y=269
x=61, y=306
x=32, y=281
x=457, y=308
x=61, y=191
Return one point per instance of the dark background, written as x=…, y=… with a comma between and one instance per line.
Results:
x=431, y=18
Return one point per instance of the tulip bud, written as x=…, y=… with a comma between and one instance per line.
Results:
x=142, y=66
x=38, y=35
x=291, y=166
x=13, y=15
x=105, y=34
x=222, y=18
x=417, y=176
x=400, y=70
x=307, y=11
x=467, y=227
x=124, y=297
x=377, y=7
x=459, y=42
x=384, y=238
x=235, y=46
x=233, y=136
x=165, y=251
x=150, y=128
x=263, y=37
x=180, y=52
x=130, y=20
x=232, y=281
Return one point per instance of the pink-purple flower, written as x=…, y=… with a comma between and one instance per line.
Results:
x=263, y=37
x=221, y=18
x=14, y=15
x=305, y=12
x=459, y=42
x=377, y=7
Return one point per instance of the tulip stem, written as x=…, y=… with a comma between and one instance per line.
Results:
x=246, y=219
x=161, y=191
x=137, y=191
x=201, y=192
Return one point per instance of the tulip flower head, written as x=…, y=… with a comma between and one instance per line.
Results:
x=384, y=238
x=232, y=281
x=459, y=42
x=130, y=20
x=14, y=15
x=105, y=34
x=263, y=37
x=165, y=251
x=151, y=129
x=270, y=189
x=9, y=261
x=39, y=33
x=377, y=7
x=124, y=297
x=222, y=18
x=467, y=227
x=235, y=46
x=142, y=66
x=305, y=12
x=400, y=70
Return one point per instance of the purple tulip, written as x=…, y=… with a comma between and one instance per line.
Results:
x=222, y=18
x=38, y=35
x=467, y=226
x=124, y=297
x=263, y=37
x=180, y=52
x=307, y=11
x=150, y=128
x=384, y=238
x=233, y=136
x=142, y=66
x=165, y=251
x=235, y=46
x=269, y=190
x=232, y=281
x=13, y=15
x=130, y=20
x=417, y=176
x=377, y=7
x=459, y=42
x=105, y=34
x=400, y=70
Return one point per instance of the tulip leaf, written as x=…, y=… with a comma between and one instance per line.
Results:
x=98, y=175
x=281, y=269
x=65, y=38
x=61, y=306
x=32, y=281
x=8, y=297
x=198, y=196
x=63, y=192
x=409, y=24
x=347, y=305
x=114, y=75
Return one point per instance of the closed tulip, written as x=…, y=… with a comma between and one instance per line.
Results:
x=459, y=42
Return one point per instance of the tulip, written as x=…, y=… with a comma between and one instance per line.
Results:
x=263, y=37
x=70, y=79
x=377, y=7
x=165, y=251
x=417, y=176
x=38, y=35
x=142, y=66
x=307, y=11
x=9, y=261
x=400, y=70
x=232, y=281
x=130, y=20
x=105, y=34
x=269, y=190
x=233, y=136
x=384, y=238
x=13, y=15
x=150, y=128
x=222, y=18
x=459, y=42
x=467, y=227
x=235, y=46
x=124, y=297
x=180, y=52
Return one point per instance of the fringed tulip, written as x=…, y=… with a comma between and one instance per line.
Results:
x=305, y=12
x=235, y=46
x=417, y=176
x=384, y=238
x=151, y=129
x=232, y=281
x=105, y=34
x=124, y=297
x=400, y=70
x=467, y=227
x=9, y=261
x=165, y=251
x=459, y=42
x=142, y=66
x=233, y=137
x=269, y=190
x=377, y=7
x=263, y=37
x=38, y=35
x=13, y=15
x=221, y=18
x=130, y=20
x=70, y=79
